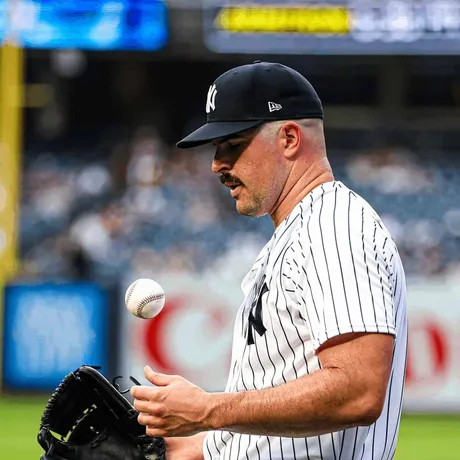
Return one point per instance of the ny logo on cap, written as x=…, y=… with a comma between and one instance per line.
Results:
x=272, y=106
x=211, y=100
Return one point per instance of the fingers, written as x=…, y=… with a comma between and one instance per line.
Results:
x=152, y=425
x=141, y=405
x=142, y=392
x=148, y=420
x=159, y=380
x=155, y=432
x=156, y=378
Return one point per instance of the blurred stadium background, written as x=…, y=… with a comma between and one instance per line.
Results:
x=93, y=193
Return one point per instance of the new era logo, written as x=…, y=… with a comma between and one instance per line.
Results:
x=273, y=106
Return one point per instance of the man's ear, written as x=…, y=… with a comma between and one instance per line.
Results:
x=291, y=139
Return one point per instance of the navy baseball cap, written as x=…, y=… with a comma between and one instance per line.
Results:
x=246, y=96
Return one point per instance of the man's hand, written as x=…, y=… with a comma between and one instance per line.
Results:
x=173, y=407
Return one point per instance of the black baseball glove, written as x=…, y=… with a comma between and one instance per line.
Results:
x=88, y=418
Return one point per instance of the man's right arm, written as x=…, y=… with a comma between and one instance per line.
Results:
x=185, y=448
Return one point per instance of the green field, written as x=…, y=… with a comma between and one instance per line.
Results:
x=421, y=437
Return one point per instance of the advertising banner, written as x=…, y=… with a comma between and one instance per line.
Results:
x=192, y=337
x=433, y=364
x=49, y=331
x=89, y=24
x=333, y=26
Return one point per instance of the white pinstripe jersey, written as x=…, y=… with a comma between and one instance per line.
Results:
x=330, y=268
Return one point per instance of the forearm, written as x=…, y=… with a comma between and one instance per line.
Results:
x=319, y=403
x=185, y=448
x=196, y=442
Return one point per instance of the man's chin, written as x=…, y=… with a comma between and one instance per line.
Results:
x=248, y=210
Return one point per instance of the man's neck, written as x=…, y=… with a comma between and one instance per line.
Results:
x=299, y=187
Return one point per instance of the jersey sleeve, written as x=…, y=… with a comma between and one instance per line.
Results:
x=343, y=259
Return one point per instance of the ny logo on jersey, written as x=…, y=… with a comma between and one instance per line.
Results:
x=255, y=315
x=211, y=100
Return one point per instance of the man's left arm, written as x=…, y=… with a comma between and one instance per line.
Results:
x=348, y=391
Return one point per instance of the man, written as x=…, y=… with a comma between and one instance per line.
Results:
x=319, y=351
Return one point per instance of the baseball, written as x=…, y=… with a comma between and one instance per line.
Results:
x=145, y=298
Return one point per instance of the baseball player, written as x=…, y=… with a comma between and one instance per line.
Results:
x=319, y=346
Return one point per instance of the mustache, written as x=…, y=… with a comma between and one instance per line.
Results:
x=229, y=178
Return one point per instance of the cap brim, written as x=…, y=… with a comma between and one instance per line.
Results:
x=215, y=130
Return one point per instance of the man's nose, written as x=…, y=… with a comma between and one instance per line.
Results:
x=220, y=164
